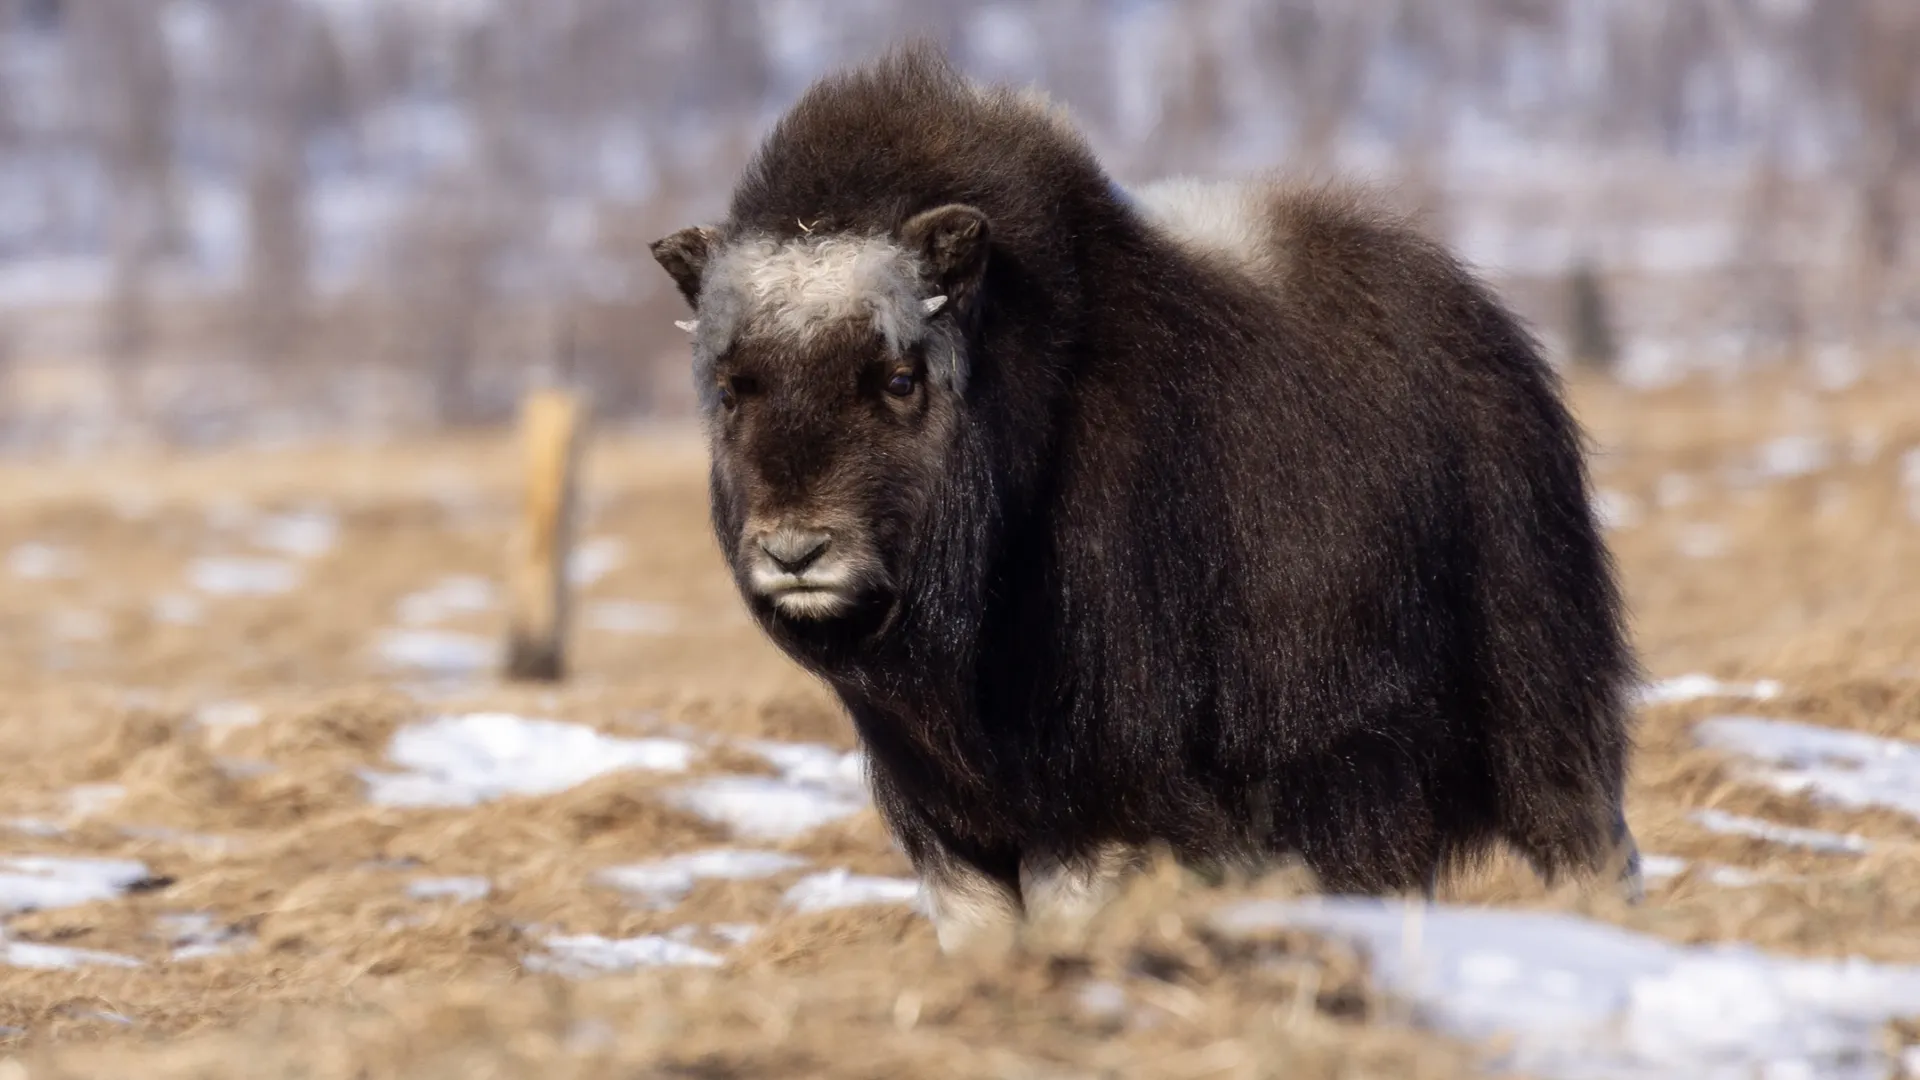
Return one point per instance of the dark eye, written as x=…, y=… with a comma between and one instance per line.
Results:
x=901, y=384
x=733, y=388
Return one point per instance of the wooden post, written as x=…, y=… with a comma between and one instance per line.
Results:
x=551, y=433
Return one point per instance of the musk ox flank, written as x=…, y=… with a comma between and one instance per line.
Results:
x=1218, y=516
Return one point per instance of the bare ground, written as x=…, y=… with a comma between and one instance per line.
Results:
x=1813, y=580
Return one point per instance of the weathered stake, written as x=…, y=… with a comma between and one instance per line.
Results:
x=550, y=433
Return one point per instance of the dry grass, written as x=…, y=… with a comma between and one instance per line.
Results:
x=1816, y=586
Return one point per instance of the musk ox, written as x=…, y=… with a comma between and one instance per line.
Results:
x=1222, y=517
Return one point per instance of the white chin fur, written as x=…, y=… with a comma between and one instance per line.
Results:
x=809, y=603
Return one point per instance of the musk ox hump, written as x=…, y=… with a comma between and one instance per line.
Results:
x=1233, y=220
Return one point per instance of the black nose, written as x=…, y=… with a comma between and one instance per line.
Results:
x=793, y=550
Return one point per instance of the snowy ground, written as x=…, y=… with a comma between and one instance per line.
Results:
x=254, y=757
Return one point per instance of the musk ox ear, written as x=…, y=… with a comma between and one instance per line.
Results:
x=684, y=256
x=952, y=240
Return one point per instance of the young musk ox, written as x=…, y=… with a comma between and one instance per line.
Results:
x=1221, y=516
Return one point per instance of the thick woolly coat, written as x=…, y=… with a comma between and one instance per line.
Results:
x=1274, y=542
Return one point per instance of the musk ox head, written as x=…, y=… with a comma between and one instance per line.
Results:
x=831, y=368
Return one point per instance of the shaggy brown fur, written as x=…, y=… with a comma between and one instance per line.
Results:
x=1242, y=520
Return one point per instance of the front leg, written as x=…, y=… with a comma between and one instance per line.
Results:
x=972, y=910
x=973, y=899
x=1063, y=895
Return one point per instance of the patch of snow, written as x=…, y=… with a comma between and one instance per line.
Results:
x=1843, y=768
x=665, y=882
x=762, y=808
x=1615, y=509
x=1733, y=877
x=234, y=575
x=51, y=279
x=177, y=609
x=438, y=651
x=459, y=594
x=735, y=933
x=726, y=934
x=225, y=715
x=107, y=1015
x=1836, y=366
x=1647, y=364
x=27, y=826
x=1102, y=999
x=1791, y=456
x=584, y=955
x=33, y=561
x=1831, y=843
x=196, y=935
x=842, y=888
x=630, y=617
x=1702, y=541
x=813, y=763
x=472, y=758
x=460, y=890
x=1674, y=489
x=86, y=800
x=1582, y=1000
x=817, y=785
x=1660, y=867
x=1910, y=480
x=1696, y=686
x=594, y=560
x=306, y=534
x=30, y=954
x=38, y=882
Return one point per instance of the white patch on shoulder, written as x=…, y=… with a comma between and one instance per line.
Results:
x=1215, y=217
x=798, y=287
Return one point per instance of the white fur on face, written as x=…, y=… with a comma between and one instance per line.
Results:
x=809, y=603
x=799, y=287
x=819, y=592
x=1215, y=217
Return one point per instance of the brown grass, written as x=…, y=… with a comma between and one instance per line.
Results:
x=347, y=976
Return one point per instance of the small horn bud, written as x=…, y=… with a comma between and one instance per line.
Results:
x=932, y=304
x=689, y=325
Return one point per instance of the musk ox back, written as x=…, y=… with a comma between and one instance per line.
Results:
x=1221, y=516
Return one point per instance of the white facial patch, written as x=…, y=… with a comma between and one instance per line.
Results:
x=799, y=287
x=1214, y=217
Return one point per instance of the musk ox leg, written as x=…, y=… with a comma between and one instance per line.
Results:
x=1622, y=860
x=1626, y=858
x=1062, y=895
x=972, y=911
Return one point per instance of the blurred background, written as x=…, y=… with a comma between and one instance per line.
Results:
x=275, y=275
x=276, y=219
